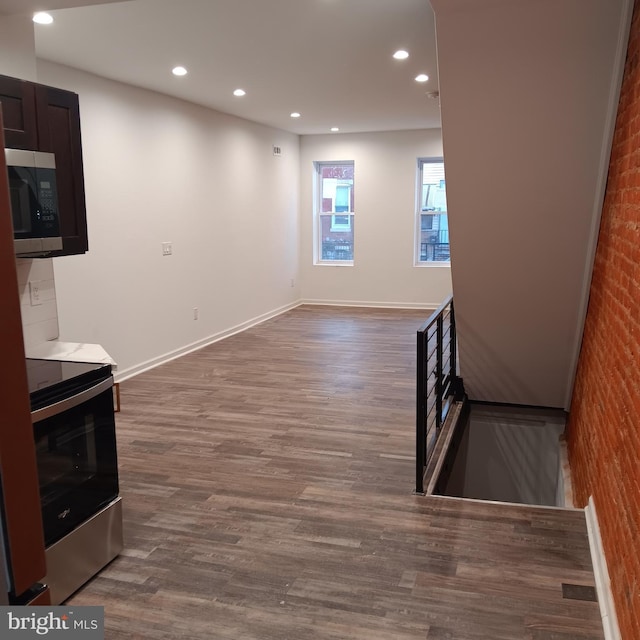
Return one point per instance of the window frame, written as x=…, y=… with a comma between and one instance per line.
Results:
x=417, y=244
x=319, y=215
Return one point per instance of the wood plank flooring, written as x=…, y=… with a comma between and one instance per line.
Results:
x=267, y=487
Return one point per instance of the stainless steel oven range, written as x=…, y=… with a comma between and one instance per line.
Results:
x=75, y=438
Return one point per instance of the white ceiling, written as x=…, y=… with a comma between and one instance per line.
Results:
x=13, y=7
x=330, y=60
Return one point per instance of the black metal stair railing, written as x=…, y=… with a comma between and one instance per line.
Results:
x=436, y=383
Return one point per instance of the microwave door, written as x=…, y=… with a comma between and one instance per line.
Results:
x=34, y=202
x=21, y=198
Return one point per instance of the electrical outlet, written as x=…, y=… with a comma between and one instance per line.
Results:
x=293, y=282
x=196, y=313
x=35, y=290
x=167, y=248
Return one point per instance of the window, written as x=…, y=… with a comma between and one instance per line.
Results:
x=334, y=213
x=432, y=227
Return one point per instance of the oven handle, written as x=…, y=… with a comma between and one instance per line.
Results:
x=73, y=401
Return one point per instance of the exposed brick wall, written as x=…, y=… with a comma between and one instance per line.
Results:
x=604, y=422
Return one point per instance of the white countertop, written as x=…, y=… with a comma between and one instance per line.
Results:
x=71, y=352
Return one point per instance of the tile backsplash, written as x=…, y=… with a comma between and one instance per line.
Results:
x=37, y=300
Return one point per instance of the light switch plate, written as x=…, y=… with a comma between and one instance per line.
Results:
x=167, y=248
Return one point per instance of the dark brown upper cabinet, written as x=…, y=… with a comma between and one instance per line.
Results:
x=44, y=118
x=58, y=118
x=19, y=112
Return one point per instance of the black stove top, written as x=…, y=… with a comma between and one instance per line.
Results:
x=53, y=380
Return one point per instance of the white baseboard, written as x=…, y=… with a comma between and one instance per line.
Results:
x=130, y=372
x=135, y=370
x=429, y=306
x=601, y=574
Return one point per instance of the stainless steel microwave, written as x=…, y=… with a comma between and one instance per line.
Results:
x=34, y=202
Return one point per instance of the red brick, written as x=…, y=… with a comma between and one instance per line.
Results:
x=603, y=432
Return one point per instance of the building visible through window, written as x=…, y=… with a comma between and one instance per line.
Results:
x=334, y=212
x=432, y=227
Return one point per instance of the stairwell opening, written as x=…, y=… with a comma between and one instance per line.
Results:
x=505, y=454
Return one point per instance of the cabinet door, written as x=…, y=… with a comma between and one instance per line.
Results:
x=58, y=118
x=19, y=110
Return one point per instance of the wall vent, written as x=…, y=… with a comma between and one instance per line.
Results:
x=277, y=151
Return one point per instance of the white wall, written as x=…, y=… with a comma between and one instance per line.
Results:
x=18, y=59
x=528, y=96
x=385, y=201
x=159, y=169
x=17, y=47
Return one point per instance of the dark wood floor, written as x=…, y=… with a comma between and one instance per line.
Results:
x=267, y=483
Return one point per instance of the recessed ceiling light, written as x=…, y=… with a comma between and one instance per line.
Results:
x=401, y=54
x=423, y=77
x=334, y=129
x=42, y=18
x=239, y=93
x=295, y=114
x=179, y=71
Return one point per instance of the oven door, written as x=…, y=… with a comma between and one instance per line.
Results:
x=76, y=457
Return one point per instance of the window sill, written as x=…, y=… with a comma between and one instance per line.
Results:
x=334, y=263
x=432, y=263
